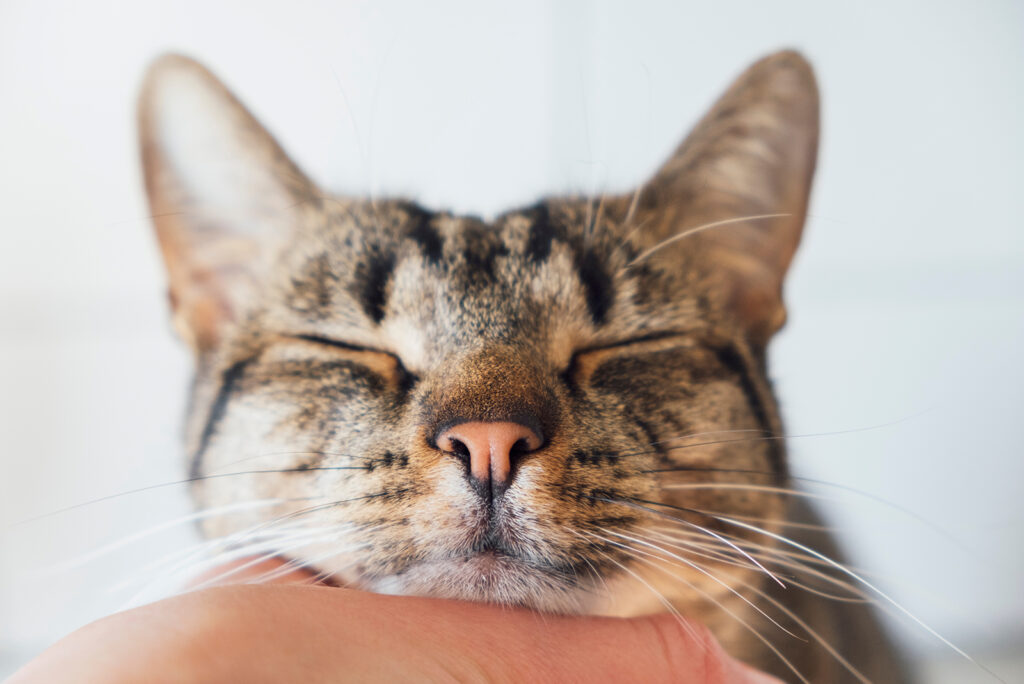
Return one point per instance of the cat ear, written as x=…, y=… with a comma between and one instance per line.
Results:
x=221, y=191
x=752, y=155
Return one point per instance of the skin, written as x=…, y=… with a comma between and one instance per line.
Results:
x=288, y=630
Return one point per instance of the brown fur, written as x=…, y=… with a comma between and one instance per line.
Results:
x=335, y=337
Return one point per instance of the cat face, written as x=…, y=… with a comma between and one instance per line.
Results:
x=507, y=411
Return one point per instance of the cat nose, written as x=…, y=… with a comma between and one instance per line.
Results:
x=490, y=447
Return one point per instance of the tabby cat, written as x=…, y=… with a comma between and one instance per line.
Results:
x=565, y=408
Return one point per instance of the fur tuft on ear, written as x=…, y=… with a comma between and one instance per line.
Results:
x=739, y=187
x=221, y=191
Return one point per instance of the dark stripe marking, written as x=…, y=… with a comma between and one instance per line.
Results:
x=732, y=360
x=482, y=249
x=229, y=382
x=370, y=284
x=425, y=235
x=542, y=233
x=597, y=285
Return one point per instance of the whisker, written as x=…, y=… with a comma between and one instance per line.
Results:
x=698, y=545
x=633, y=231
x=332, y=504
x=772, y=437
x=278, y=550
x=162, y=485
x=814, y=481
x=698, y=229
x=787, y=560
x=698, y=590
x=311, y=540
x=844, y=570
x=791, y=559
x=273, y=454
x=308, y=563
x=634, y=202
x=657, y=594
x=275, y=527
x=275, y=523
x=594, y=572
x=701, y=570
x=710, y=533
x=137, y=536
x=190, y=567
x=691, y=435
x=710, y=514
x=813, y=633
x=774, y=649
x=841, y=568
x=788, y=491
x=252, y=536
x=780, y=522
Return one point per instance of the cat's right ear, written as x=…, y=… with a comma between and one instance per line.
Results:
x=221, y=191
x=743, y=174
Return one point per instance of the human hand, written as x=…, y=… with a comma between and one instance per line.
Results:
x=289, y=633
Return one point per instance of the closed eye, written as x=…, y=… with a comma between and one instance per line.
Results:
x=587, y=358
x=316, y=339
x=642, y=339
x=406, y=379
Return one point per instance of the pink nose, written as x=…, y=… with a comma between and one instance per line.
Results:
x=489, y=446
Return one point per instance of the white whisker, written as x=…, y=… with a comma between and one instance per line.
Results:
x=698, y=590
x=698, y=229
x=137, y=536
x=813, y=633
x=701, y=570
x=860, y=579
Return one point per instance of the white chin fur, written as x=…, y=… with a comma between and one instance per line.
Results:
x=487, y=577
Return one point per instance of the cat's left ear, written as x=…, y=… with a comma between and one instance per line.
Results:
x=752, y=155
x=223, y=194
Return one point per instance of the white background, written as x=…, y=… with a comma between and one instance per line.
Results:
x=906, y=299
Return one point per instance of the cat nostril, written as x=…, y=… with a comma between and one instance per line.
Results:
x=459, y=449
x=491, y=447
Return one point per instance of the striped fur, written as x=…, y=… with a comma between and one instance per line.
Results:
x=335, y=337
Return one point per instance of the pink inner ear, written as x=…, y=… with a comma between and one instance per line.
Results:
x=220, y=189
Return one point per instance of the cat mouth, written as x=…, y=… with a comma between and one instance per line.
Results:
x=489, y=565
x=490, y=575
x=489, y=561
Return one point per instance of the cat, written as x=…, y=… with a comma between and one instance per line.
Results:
x=566, y=408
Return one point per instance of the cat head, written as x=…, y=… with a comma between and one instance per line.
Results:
x=423, y=403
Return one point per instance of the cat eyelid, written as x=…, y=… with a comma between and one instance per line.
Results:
x=338, y=344
x=346, y=346
x=671, y=339
x=688, y=336
x=677, y=335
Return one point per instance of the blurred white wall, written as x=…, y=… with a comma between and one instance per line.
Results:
x=906, y=300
